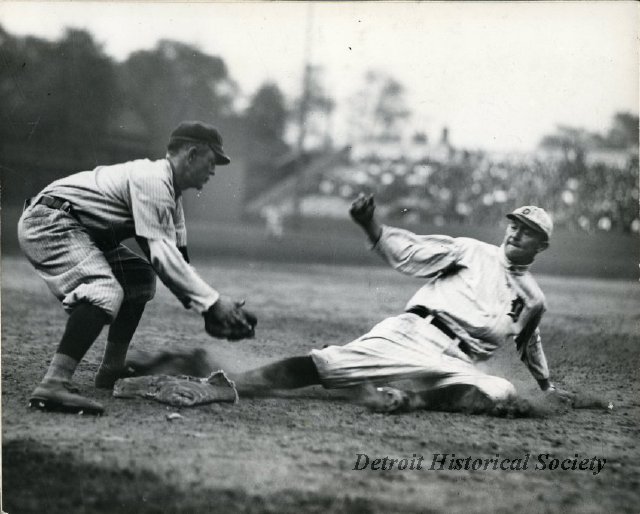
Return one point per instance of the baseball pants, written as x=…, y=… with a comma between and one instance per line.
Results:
x=400, y=348
x=75, y=269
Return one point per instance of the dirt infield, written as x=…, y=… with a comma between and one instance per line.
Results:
x=297, y=452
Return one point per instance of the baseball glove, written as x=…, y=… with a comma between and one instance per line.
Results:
x=180, y=391
x=228, y=319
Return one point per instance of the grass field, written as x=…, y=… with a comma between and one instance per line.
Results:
x=296, y=452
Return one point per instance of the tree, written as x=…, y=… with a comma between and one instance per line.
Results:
x=572, y=141
x=56, y=104
x=265, y=119
x=83, y=87
x=378, y=109
x=314, y=109
x=13, y=98
x=266, y=116
x=624, y=131
x=173, y=82
x=61, y=91
x=390, y=107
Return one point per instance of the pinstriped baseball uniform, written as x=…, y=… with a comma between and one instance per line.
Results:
x=472, y=287
x=79, y=254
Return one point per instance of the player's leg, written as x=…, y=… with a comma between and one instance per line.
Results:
x=194, y=362
x=83, y=326
x=77, y=273
x=290, y=373
x=333, y=367
x=138, y=280
x=460, y=388
x=397, y=348
x=374, y=358
x=406, y=349
x=112, y=367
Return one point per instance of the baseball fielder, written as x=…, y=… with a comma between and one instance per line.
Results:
x=71, y=232
x=475, y=297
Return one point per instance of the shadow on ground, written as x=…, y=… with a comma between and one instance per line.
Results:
x=32, y=477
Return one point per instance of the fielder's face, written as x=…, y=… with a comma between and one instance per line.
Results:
x=522, y=243
x=200, y=166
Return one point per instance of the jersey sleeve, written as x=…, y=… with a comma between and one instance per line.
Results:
x=180, y=225
x=418, y=256
x=153, y=206
x=181, y=279
x=529, y=346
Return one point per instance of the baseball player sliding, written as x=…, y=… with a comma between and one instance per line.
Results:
x=475, y=297
x=71, y=232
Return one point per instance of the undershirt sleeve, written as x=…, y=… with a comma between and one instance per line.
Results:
x=180, y=277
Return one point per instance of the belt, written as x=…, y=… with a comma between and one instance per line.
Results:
x=52, y=202
x=423, y=312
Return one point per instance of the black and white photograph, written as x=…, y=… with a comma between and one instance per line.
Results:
x=319, y=257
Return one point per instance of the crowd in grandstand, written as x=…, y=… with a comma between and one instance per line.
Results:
x=477, y=188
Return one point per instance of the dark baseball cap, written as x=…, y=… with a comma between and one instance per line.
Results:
x=200, y=132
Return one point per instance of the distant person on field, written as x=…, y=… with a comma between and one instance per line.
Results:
x=273, y=223
x=475, y=298
x=71, y=232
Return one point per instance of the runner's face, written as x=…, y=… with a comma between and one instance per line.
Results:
x=522, y=243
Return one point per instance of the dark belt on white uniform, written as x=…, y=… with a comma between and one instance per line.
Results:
x=60, y=204
x=423, y=312
x=53, y=202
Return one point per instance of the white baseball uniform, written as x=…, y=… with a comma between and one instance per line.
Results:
x=474, y=290
x=79, y=254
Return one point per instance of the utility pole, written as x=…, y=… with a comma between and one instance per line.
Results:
x=302, y=119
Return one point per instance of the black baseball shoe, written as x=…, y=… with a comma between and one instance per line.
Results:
x=55, y=395
x=107, y=377
x=388, y=400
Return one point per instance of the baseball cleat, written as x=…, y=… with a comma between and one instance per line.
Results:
x=107, y=377
x=62, y=396
x=388, y=400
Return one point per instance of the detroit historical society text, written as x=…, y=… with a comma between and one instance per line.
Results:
x=452, y=462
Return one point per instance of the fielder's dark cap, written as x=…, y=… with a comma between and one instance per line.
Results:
x=535, y=218
x=200, y=132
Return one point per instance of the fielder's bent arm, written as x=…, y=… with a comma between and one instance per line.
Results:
x=181, y=279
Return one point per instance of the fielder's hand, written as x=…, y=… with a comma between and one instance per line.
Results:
x=362, y=209
x=227, y=319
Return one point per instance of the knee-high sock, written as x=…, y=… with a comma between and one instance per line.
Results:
x=120, y=334
x=290, y=373
x=83, y=327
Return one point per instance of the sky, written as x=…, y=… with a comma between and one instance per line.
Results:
x=499, y=75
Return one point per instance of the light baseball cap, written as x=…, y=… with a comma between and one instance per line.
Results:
x=535, y=218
